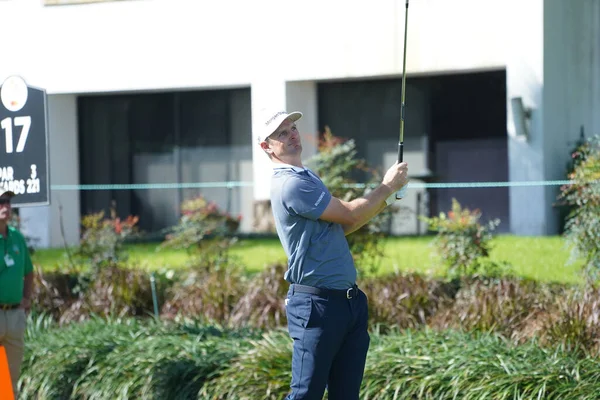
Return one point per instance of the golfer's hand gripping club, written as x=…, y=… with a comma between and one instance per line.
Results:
x=396, y=178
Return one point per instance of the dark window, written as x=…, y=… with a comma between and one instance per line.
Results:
x=199, y=136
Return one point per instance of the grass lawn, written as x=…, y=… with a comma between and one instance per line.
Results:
x=540, y=258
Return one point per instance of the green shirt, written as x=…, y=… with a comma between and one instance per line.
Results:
x=11, y=278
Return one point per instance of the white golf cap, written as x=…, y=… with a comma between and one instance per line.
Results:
x=270, y=121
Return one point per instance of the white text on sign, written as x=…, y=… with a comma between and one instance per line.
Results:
x=19, y=186
x=7, y=126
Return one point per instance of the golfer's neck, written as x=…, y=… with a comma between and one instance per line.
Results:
x=295, y=161
x=3, y=228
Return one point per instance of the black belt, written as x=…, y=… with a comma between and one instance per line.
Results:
x=9, y=306
x=343, y=293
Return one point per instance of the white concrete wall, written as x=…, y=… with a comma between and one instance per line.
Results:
x=167, y=44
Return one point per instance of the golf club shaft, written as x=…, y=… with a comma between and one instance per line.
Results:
x=402, y=109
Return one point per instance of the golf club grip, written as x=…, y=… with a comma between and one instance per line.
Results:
x=400, y=152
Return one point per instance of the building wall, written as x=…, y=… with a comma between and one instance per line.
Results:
x=166, y=44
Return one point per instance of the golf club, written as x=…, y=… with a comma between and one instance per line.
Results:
x=400, y=194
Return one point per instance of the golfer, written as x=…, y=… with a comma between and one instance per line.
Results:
x=327, y=313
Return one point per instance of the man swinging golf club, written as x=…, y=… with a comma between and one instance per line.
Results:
x=327, y=313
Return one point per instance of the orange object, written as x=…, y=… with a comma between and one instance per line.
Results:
x=6, y=389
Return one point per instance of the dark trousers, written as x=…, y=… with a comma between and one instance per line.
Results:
x=330, y=344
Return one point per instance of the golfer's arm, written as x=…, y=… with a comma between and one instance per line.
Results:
x=354, y=214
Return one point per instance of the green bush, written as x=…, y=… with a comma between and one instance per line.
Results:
x=125, y=359
x=203, y=230
x=462, y=242
x=101, y=245
x=263, y=372
x=452, y=365
x=582, y=229
x=337, y=165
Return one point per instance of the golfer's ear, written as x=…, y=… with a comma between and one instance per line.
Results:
x=265, y=146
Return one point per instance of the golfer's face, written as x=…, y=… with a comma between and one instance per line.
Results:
x=5, y=208
x=286, y=139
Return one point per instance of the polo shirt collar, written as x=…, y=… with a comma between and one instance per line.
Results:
x=280, y=166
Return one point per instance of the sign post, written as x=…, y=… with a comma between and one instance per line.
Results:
x=24, y=143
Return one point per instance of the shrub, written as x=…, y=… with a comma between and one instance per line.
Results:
x=462, y=241
x=126, y=358
x=574, y=323
x=263, y=372
x=452, y=365
x=203, y=230
x=337, y=165
x=406, y=301
x=116, y=292
x=582, y=229
x=207, y=291
x=53, y=292
x=101, y=245
x=502, y=306
x=262, y=305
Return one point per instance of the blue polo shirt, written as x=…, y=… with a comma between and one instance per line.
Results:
x=317, y=250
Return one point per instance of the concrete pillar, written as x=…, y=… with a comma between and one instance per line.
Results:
x=525, y=79
x=273, y=93
x=43, y=223
x=571, y=87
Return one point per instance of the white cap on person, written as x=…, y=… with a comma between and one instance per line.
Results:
x=270, y=121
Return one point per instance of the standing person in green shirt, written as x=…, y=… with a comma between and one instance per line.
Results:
x=16, y=283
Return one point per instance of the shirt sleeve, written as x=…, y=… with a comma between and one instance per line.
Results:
x=302, y=196
x=27, y=264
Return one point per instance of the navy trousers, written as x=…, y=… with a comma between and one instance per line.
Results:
x=330, y=344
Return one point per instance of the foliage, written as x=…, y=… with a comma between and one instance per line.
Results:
x=263, y=372
x=406, y=300
x=101, y=244
x=102, y=238
x=203, y=230
x=116, y=292
x=123, y=359
x=262, y=304
x=452, y=365
x=462, y=241
x=582, y=229
x=337, y=165
x=502, y=306
x=207, y=291
x=574, y=322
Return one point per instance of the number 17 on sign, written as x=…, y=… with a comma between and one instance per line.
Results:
x=7, y=126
